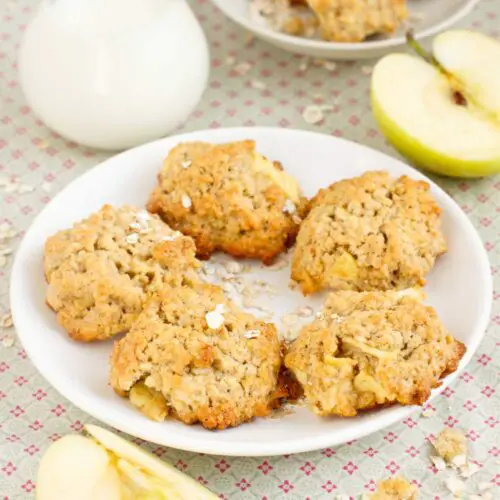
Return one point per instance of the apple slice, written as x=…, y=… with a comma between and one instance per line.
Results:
x=135, y=462
x=443, y=116
x=75, y=467
x=107, y=467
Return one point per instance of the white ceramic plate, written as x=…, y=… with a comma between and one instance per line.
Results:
x=437, y=15
x=459, y=287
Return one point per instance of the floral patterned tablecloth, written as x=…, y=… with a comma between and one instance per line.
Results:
x=251, y=83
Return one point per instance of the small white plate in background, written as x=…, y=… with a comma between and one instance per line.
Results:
x=436, y=16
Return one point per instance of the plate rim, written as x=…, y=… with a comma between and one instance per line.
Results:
x=323, y=45
x=246, y=447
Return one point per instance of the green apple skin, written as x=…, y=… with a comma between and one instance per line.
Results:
x=425, y=158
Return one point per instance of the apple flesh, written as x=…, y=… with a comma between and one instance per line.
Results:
x=106, y=467
x=75, y=467
x=446, y=121
x=135, y=462
x=473, y=59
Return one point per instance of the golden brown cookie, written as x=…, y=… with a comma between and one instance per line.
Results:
x=369, y=349
x=355, y=20
x=228, y=197
x=192, y=355
x=101, y=270
x=371, y=232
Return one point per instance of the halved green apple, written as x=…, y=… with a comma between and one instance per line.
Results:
x=106, y=467
x=443, y=116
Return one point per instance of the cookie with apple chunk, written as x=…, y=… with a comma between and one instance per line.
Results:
x=194, y=356
x=101, y=271
x=371, y=232
x=228, y=197
x=372, y=349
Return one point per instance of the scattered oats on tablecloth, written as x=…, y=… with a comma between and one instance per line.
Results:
x=25, y=188
x=313, y=114
x=438, y=462
x=304, y=65
x=455, y=485
x=6, y=321
x=5, y=250
x=469, y=469
x=485, y=485
x=242, y=68
x=258, y=85
x=7, y=232
x=11, y=187
x=8, y=341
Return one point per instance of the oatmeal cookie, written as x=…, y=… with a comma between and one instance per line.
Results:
x=395, y=488
x=368, y=349
x=100, y=271
x=355, y=20
x=192, y=355
x=228, y=197
x=371, y=232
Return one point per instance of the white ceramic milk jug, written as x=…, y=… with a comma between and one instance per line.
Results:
x=112, y=74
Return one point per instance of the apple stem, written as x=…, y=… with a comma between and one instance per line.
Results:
x=426, y=56
x=458, y=96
